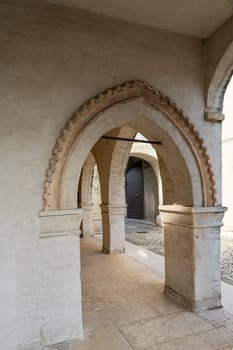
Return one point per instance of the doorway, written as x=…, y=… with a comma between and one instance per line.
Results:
x=134, y=188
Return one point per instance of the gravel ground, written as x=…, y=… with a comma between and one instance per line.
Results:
x=151, y=237
x=227, y=257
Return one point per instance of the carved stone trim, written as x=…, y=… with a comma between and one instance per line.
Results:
x=58, y=223
x=87, y=206
x=118, y=94
x=196, y=217
x=215, y=117
x=59, y=234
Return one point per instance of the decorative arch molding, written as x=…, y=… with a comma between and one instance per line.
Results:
x=218, y=86
x=119, y=94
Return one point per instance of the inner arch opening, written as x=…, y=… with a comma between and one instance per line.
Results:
x=177, y=162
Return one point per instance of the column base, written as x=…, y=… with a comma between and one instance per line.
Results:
x=64, y=345
x=159, y=221
x=205, y=304
x=113, y=251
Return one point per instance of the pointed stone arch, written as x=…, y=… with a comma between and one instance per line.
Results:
x=218, y=85
x=119, y=94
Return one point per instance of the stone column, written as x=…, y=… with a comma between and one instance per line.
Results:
x=87, y=221
x=60, y=285
x=192, y=255
x=113, y=217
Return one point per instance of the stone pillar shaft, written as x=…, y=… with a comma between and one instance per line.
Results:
x=192, y=255
x=60, y=284
x=87, y=221
x=113, y=216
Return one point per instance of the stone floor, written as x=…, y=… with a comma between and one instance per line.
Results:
x=124, y=308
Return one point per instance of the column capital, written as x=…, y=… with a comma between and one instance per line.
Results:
x=195, y=217
x=55, y=223
x=114, y=209
x=213, y=116
x=60, y=212
x=87, y=205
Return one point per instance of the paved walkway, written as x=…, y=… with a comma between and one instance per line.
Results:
x=124, y=307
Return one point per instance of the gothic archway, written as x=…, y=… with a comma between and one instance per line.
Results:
x=89, y=113
x=189, y=211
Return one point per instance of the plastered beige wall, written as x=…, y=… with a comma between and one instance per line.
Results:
x=52, y=60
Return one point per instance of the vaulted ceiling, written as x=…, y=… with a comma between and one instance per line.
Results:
x=197, y=18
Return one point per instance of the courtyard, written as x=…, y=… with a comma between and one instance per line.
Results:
x=151, y=237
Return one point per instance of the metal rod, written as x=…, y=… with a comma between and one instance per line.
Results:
x=129, y=140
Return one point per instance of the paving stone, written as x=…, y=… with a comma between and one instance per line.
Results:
x=216, y=318
x=103, y=339
x=217, y=339
x=145, y=334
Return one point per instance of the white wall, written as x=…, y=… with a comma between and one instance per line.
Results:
x=227, y=182
x=227, y=157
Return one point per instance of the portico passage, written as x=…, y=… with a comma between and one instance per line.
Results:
x=191, y=220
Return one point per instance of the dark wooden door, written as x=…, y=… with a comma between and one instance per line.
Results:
x=134, y=189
